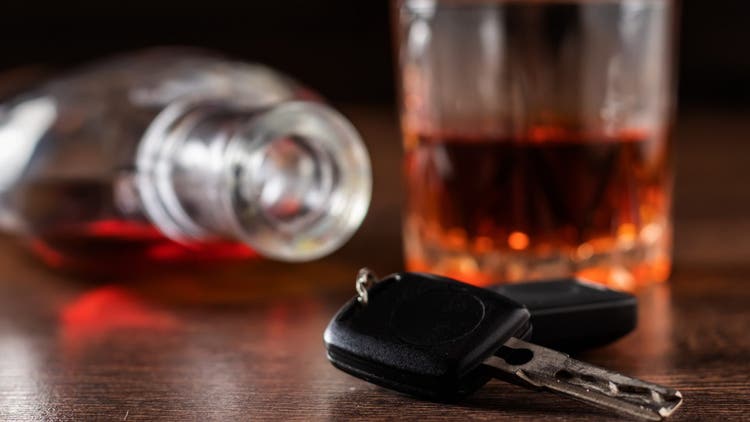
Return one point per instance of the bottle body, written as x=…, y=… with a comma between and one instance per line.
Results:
x=130, y=161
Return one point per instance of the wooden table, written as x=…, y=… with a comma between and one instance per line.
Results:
x=243, y=341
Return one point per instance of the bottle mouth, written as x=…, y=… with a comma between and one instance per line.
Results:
x=299, y=181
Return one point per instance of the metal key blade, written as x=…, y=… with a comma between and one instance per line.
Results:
x=539, y=367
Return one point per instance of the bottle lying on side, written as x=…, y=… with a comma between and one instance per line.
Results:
x=176, y=154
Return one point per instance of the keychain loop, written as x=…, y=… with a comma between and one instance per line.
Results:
x=365, y=279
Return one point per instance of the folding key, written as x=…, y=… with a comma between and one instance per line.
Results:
x=441, y=339
x=571, y=314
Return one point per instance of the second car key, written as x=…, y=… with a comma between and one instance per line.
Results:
x=571, y=314
x=439, y=338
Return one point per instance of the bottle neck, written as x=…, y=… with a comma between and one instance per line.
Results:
x=292, y=181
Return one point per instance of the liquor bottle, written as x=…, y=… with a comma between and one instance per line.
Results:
x=177, y=154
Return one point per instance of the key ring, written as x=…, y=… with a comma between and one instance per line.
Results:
x=365, y=279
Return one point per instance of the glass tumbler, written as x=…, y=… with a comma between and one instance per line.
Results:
x=536, y=137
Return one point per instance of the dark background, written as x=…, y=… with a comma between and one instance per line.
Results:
x=342, y=48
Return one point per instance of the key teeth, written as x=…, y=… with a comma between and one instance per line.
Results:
x=665, y=412
x=557, y=372
x=656, y=396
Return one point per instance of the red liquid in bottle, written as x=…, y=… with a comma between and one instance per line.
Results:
x=75, y=225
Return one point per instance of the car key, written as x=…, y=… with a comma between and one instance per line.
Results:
x=441, y=339
x=571, y=314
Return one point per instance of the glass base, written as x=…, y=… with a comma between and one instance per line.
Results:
x=609, y=261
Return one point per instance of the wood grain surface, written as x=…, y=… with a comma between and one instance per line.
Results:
x=244, y=341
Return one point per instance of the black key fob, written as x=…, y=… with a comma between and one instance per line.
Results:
x=573, y=315
x=441, y=339
x=423, y=335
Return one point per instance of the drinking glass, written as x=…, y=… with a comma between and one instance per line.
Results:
x=537, y=138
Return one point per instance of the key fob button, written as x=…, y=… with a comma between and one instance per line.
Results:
x=437, y=316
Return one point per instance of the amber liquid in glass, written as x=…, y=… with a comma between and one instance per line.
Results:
x=486, y=209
